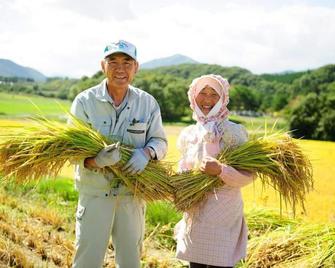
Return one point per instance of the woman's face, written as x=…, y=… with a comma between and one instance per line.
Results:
x=206, y=99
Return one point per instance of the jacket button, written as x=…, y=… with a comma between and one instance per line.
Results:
x=104, y=122
x=106, y=194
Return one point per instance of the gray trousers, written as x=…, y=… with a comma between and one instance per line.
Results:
x=98, y=218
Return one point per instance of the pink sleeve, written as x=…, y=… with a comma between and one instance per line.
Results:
x=235, y=178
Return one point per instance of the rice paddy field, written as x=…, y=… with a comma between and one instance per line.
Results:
x=22, y=106
x=37, y=221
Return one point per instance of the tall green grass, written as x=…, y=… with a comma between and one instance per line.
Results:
x=161, y=212
x=58, y=192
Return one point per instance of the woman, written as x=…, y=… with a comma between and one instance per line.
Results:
x=215, y=235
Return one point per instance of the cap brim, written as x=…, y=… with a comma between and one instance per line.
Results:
x=119, y=51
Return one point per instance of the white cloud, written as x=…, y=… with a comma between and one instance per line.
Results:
x=101, y=10
x=67, y=37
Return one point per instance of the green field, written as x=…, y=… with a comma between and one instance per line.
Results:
x=22, y=105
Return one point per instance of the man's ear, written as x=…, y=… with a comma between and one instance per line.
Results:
x=103, y=66
x=137, y=67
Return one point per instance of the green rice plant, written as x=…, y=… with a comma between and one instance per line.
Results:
x=42, y=148
x=162, y=212
x=161, y=217
x=275, y=158
x=62, y=189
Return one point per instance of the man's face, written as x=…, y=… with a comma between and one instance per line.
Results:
x=119, y=69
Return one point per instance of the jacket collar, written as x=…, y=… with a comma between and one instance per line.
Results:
x=102, y=92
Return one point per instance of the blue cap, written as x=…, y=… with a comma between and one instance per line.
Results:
x=120, y=46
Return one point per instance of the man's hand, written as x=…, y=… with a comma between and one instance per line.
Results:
x=108, y=156
x=210, y=166
x=137, y=162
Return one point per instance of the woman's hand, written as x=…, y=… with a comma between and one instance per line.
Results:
x=210, y=166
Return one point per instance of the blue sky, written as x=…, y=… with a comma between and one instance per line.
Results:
x=60, y=37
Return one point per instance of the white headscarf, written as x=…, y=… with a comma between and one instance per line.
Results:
x=209, y=125
x=221, y=86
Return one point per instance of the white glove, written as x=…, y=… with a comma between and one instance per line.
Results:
x=108, y=156
x=137, y=162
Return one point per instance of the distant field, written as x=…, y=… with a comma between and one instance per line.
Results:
x=21, y=105
x=18, y=106
x=259, y=123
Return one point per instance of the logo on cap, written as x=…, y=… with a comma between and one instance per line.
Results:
x=120, y=46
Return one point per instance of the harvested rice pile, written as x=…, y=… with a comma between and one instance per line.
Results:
x=303, y=245
x=279, y=241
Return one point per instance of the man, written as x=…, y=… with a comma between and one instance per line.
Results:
x=105, y=207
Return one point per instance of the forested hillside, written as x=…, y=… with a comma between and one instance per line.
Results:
x=306, y=99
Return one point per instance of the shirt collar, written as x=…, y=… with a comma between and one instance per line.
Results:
x=102, y=93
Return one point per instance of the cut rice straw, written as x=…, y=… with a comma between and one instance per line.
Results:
x=275, y=158
x=42, y=148
x=301, y=245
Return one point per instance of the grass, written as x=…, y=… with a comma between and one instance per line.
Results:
x=253, y=124
x=52, y=189
x=257, y=123
x=162, y=212
x=161, y=217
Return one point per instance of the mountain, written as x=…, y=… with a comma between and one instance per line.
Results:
x=9, y=68
x=168, y=61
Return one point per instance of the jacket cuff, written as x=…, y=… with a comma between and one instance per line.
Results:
x=159, y=146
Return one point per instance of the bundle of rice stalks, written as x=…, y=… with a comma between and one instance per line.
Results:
x=43, y=148
x=275, y=158
x=304, y=245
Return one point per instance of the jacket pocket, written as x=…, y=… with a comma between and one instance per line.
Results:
x=136, y=134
